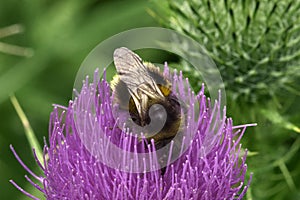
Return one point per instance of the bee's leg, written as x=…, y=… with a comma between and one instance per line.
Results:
x=163, y=171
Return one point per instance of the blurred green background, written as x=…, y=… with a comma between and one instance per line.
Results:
x=51, y=40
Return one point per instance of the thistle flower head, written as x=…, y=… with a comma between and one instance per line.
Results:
x=79, y=162
x=254, y=43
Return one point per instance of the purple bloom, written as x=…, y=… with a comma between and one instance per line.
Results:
x=78, y=161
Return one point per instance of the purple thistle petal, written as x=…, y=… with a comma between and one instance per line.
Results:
x=23, y=191
x=80, y=138
x=23, y=165
x=34, y=184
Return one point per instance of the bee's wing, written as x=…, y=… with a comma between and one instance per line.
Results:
x=134, y=73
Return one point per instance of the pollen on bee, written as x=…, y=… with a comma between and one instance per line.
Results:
x=165, y=90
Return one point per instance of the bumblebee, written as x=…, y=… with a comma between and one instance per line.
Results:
x=142, y=90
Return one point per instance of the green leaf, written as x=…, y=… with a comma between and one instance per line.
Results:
x=276, y=118
x=33, y=142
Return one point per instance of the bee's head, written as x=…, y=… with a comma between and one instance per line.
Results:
x=155, y=114
x=158, y=114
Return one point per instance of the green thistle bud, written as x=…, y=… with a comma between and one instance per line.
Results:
x=255, y=44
